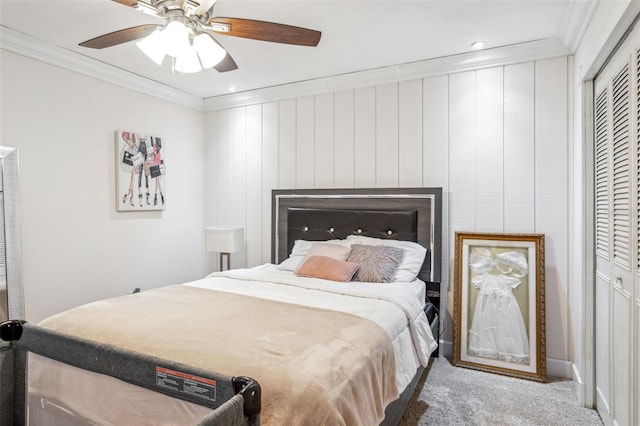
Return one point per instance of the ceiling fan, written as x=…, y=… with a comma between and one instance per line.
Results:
x=188, y=34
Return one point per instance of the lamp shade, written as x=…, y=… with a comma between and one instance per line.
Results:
x=176, y=38
x=153, y=46
x=188, y=62
x=224, y=239
x=209, y=52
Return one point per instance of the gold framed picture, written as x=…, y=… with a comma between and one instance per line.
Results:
x=499, y=304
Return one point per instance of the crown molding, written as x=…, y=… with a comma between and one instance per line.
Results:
x=513, y=54
x=31, y=47
x=25, y=45
x=576, y=22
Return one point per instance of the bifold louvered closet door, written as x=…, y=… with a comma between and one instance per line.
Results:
x=617, y=234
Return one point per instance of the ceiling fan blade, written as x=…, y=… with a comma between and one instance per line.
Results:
x=120, y=36
x=227, y=64
x=265, y=31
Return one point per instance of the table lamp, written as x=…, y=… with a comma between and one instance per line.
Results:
x=224, y=240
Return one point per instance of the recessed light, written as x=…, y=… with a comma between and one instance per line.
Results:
x=232, y=88
x=477, y=45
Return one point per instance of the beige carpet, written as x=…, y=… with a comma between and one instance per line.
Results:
x=448, y=395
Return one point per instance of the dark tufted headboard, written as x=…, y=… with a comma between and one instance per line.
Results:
x=409, y=214
x=326, y=224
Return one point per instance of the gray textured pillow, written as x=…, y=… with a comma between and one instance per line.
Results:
x=378, y=264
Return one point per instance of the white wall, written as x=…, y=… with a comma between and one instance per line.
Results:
x=494, y=139
x=76, y=247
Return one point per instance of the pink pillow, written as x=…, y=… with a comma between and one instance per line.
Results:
x=327, y=268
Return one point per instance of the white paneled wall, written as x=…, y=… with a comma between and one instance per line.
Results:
x=270, y=167
x=410, y=133
x=551, y=194
x=519, y=148
x=365, y=138
x=323, y=142
x=494, y=139
x=386, y=124
x=344, y=138
x=435, y=158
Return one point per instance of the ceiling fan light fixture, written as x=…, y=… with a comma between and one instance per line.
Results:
x=188, y=62
x=153, y=46
x=209, y=52
x=176, y=38
x=146, y=8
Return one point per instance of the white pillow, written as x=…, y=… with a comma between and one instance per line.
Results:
x=334, y=251
x=301, y=249
x=411, y=263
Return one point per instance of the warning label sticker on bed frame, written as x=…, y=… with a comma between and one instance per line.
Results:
x=186, y=383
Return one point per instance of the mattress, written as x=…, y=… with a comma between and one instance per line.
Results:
x=395, y=308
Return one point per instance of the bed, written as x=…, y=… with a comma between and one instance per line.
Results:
x=323, y=351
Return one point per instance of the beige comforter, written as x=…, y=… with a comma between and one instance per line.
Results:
x=315, y=366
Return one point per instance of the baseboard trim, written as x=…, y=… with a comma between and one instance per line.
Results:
x=604, y=410
x=580, y=386
x=559, y=368
x=555, y=367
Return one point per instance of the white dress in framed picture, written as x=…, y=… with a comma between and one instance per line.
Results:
x=498, y=330
x=140, y=172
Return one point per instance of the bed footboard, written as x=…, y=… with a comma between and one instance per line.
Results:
x=234, y=400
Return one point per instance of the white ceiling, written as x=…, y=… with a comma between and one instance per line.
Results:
x=357, y=35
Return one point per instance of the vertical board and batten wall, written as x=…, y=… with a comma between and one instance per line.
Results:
x=494, y=139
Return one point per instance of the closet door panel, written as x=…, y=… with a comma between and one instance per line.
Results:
x=603, y=339
x=637, y=361
x=617, y=232
x=601, y=179
x=624, y=245
x=621, y=172
x=621, y=362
